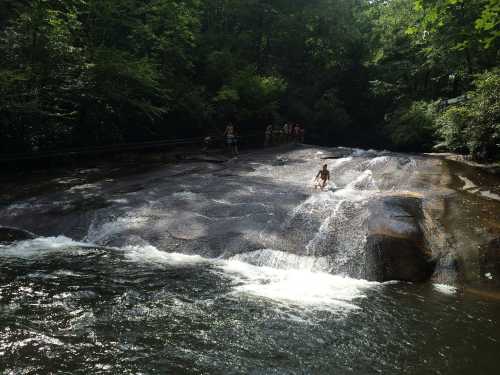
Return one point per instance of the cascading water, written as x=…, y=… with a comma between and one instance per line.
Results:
x=238, y=267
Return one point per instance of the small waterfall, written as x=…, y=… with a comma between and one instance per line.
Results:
x=331, y=226
x=342, y=238
x=283, y=260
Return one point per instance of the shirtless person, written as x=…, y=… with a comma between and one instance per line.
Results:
x=323, y=176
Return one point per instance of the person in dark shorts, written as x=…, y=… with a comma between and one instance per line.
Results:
x=322, y=177
x=231, y=141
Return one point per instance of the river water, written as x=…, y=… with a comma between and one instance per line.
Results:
x=228, y=268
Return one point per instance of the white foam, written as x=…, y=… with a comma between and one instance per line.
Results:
x=83, y=187
x=151, y=255
x=119, y=200
x=445, y=289
x=67, y=180
x=99, y=231
x=297, y=287
x=358, y=152
x=17, y=208
x=378, y=160
x=39, y=246
x=282, y=260
x=364, y=181
x=89, y=170
x=37, y=339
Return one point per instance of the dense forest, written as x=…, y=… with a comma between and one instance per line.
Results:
x=369, y=73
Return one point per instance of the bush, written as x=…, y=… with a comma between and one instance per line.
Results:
x=330, y=120
x=475, y=125
x=251, y=96
x=450, y=127
x=411, y=127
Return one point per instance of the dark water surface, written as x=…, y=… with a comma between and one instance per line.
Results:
x=84, y=310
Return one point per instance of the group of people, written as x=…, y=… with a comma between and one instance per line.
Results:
x=275, y=135
x=288, y=133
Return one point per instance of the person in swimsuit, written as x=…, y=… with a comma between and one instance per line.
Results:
x=322, y=177
x=230, y=134
x=284, y=134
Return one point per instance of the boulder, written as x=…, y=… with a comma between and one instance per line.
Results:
x=395, y=246
x=396, y=258
x=9, y=235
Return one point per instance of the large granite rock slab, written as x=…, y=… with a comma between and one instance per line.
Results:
x=395, y=246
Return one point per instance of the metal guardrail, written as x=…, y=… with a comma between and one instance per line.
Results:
x=82, y=151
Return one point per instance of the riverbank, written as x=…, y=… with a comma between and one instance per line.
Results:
x=493, y=168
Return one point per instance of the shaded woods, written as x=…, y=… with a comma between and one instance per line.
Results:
x=365, y=73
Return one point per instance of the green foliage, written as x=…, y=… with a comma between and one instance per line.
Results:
x=450, y=127
x=88, y=72
x=489, y=23
x=250, y=96
x=411, y=126
x=475, y=125
x=330, y=119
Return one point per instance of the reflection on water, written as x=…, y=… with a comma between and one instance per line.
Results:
x=140, y=310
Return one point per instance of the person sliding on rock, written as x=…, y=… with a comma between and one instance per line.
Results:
x=322, y=177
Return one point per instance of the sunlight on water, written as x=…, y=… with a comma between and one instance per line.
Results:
x=297, y=287
x=282, y=260
x=39, y=246
x=151, y=255
x=445, y=289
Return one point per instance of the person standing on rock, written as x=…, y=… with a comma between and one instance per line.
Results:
x=290, y=132
x=230, y=134
x=284, y=135
x=322, y=177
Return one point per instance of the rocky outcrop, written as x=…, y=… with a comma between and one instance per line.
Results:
x=393, y=258
x=9, y=235
x=395, y=247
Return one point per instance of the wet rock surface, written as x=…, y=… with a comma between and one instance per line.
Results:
x=384, y=216
x=396, y=258
x=9, y=235
x=395, y=247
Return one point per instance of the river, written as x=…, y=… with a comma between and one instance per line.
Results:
x=241, y=267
